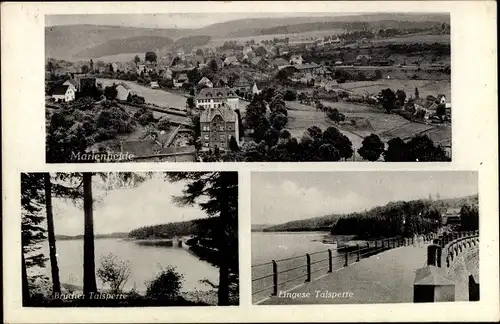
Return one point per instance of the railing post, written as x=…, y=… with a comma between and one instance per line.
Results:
x=308, y=260
x=275, y=278
x=375, y=244
x=330, y=263
x=357, y=245
x=346, y=258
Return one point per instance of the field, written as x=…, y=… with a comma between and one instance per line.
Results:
x=122, y=57
x=368, y=120
x=157, y=97
x=443, y=39
x=320, y=33
x=425, y=87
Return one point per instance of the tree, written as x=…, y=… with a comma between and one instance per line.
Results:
x=166, y=286
x=388, y=99
x=441, y=111
x=51, y=67
x=213, y=66
x=378, y=75
x=137, y=59
x=417, y=95
x=163, y=124
x=328, y=152
x=255, y=114
x=114, y=273
x=194, y=76
x=233, y=145
x=396, y=151
x=91, y=65
x=401, y=97
x=290, y=95
x=220, y=193
x=54, y=268
x=372, y=147
x=110, y=92
x=241, y=128
x=422, y=149
x=469, y=218
x=333, y=136
x=190, y=102
x=150, y=57
x=85, y=69
x=89, y=279
x=279, y=121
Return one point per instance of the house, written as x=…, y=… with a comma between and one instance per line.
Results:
x=242, y=85
x=150, y=149
x=205, y=82
x=452, y=216
x=363, y=60
x=167, y=74
x=246, y=50
x=302, y=77
x=338, y=63
x=307, y=68
x=322, y=71
x=296, y=59
x=255, y=89
x=123, y=91
x=256, y=60
x=63, y=93
x=180, y=80
x=231, y=60
x=141, y=68
x=330, y=85
x=217, y=126
x=215, y=97
x=441, y=98
x=73, y=84
x=280, y=63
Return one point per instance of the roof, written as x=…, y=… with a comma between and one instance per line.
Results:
x=182, y=76
x=306, y=66
x=204, y=80
x=280, y=61
x=359, y=57
x=224, y=111
x=124, y=85
x=208, y=93
x=231, y=59
x=453, y=211
x=149, y=147
x=72, y=82
x=60, y=90
x=241, y=83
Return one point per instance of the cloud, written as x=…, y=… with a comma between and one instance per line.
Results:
x=287, y=201
x=122, y=210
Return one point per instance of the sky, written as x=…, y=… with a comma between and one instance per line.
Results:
x=279, y=197
x=122, y=210
x=175, y=20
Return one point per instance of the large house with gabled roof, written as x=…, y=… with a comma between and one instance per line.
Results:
x=216, y=97
x=218, y=124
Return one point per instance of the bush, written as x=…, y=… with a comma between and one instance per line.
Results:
x=290, y=95
x=166, y=285
x=163, y=124
x=113, y=272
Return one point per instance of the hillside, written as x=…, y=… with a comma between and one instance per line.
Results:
x=324, y=223
x=126, y=45
x=64, y=42
x=259, y=227
x=328, y=221
x=170, y=230
x=97, y=236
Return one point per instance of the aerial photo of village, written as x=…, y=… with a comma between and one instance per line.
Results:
x=241, y=88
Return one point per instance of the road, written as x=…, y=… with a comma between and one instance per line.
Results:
x=382, y=278
x=157, y=97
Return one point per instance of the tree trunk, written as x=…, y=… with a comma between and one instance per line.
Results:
x=223, y=291
x=24, y=280
x=89, y=279
x=56, y=285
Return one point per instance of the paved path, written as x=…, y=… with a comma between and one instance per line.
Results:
x=383, y=278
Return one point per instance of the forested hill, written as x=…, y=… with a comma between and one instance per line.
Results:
x=323, y=223
x=170, y=230
x=97, y=236
x=329, y=222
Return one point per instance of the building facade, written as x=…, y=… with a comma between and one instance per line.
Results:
x=218, y=126
x=216, y=97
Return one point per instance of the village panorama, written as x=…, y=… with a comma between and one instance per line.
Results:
x=359, y=87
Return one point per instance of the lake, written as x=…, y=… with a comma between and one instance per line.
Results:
x=145, y=263
x=268, y=246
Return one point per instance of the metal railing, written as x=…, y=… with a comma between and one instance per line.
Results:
x=447, y=247
x=272, y=276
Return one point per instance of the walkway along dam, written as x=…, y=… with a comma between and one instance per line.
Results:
x=394, y=270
